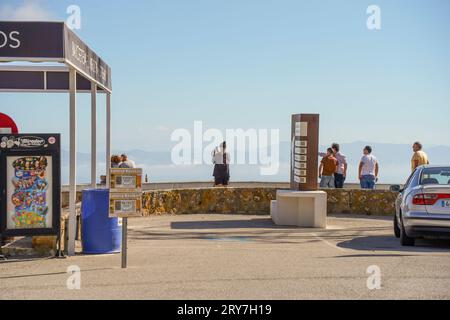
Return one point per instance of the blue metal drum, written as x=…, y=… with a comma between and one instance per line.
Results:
x=100, y=233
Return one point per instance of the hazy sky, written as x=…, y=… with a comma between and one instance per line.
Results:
x=251, y=64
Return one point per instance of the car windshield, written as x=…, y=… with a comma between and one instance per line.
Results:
x=435, y=176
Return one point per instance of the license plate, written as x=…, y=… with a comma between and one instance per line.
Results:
x=445, y=204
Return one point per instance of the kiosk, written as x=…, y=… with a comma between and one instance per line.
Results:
x=63, y=63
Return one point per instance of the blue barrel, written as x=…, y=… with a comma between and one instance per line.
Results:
x=100, y=233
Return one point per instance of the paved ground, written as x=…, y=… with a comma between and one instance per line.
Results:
x=243, y=257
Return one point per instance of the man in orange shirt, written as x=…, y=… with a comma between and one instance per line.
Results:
x=327, y=169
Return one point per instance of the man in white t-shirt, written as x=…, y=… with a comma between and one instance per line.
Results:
x=127, y=163
x=368, y=169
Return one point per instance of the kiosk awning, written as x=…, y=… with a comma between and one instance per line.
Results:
x=49, y=42
x=40, y=79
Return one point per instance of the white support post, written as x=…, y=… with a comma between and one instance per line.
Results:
x=93, y=135
x=73, y=162
x=108, y=137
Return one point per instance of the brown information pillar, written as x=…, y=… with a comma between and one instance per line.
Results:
x=305, y=152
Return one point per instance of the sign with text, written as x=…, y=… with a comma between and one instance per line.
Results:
x=125, y=180
x=31, y=40
x=51, y=41
x=125, y=192
x=125, y=205
x=86, y=60
x=304, y=152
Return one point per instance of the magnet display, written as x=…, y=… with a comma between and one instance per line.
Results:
x=125, y=199
x=30, y=184
x=125, y=205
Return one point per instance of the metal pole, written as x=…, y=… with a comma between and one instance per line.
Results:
x=124, y=242
x=108, y=137
x=73, y=162
x=93, y=135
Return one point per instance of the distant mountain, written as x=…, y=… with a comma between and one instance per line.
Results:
x=394, y=164
x=140, y=156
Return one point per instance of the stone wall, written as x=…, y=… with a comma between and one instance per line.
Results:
x=209, y=200
x=369, y=202
x=65, y=198
x=257, y=201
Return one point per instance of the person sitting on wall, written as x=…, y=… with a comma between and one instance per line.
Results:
x=115, y=161
x=127, y=163
x=419, y=157
x=221, y=160
x=327, y=169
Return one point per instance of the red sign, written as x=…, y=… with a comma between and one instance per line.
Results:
x=7, y=125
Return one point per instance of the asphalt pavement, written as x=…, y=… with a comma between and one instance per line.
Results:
x=243, y=257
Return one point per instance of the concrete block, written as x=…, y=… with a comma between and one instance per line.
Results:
x=307, y=209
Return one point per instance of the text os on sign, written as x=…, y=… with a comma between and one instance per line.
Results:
x=9, y=39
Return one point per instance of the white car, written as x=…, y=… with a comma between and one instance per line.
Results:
x=423, y=205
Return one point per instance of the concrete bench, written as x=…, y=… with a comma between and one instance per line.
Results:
x=306, y=209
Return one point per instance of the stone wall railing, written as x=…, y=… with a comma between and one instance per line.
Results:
x=369, y=202
x=257, y=201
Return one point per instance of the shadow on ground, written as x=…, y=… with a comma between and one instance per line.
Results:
x=259, y=230
x=264, y=223
x=391, y=243
x=259, y=236
x=48, y=274
x=226, y=224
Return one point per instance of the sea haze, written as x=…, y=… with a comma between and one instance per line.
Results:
x=394, y=162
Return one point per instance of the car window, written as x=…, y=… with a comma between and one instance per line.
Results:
x=408, y=182
x=438, y=176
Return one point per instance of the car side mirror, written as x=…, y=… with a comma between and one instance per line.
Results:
x=395, y=188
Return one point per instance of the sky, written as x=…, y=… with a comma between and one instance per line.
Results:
x=251, y=64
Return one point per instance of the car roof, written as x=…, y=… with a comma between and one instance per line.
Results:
x=434, y=166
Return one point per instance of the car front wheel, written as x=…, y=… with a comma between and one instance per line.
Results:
x=404, y=239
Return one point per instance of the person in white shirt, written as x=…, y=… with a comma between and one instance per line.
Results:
x=368, y=169
x=221, y=161
x=127, y=163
